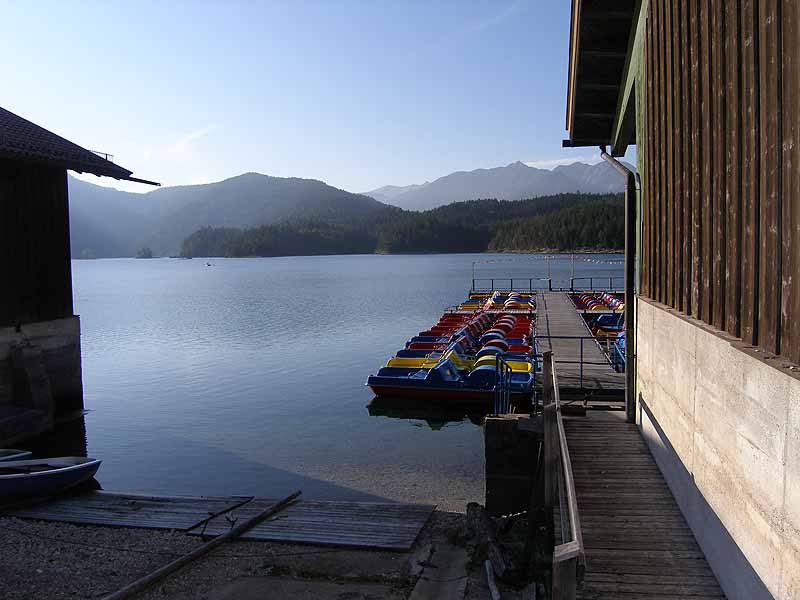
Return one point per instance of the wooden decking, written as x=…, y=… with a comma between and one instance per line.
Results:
x=556, y=316
x=387, y=526
x=131, y=510
x=358, y=524
x=638, y=545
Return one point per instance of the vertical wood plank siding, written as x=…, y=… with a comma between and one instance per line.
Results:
x=35, y=270
x=669, y=174
x=721, y=168
x=694, y=135
x=790, y=276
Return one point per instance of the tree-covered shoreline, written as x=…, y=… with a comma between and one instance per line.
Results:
x=564, y=222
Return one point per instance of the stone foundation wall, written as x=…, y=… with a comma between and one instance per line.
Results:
x=60, y=344
x=723, y=423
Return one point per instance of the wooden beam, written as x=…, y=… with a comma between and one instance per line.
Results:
x=574, y=47
x=604, y=54
x=584, y=142
x=596, y=116
x=600, y=87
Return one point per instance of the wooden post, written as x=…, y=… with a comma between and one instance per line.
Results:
x=564, y=579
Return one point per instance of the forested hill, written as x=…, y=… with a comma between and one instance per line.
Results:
x=562, y=222
x=107, y=223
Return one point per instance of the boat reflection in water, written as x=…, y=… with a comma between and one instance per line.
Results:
x=436, y=416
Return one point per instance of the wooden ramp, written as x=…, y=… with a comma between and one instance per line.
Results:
x=638, y=545
x=131, y=510
x=385, y=525
x=358, y=524
x=556, y=316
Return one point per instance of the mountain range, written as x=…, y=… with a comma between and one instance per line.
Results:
x=105, y=222
x=516, y=181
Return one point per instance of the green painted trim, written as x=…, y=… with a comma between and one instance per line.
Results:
x=619, y=141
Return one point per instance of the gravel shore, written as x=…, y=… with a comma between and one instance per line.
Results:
x=46, y=560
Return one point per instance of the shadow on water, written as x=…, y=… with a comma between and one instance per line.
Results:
x=173, y=470
x=68, y=439
x=436, y=416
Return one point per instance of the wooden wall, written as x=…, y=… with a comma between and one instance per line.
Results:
x=721, y=169
x=35, y=273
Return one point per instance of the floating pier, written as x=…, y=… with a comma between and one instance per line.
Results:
x=584, y=370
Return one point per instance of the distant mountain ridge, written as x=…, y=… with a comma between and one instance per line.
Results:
x=386, y=193
x=105, y=222
x=516, y=181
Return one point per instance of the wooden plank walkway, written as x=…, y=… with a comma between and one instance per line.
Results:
x=357, y=524
x=385, y=525
x=131, y=510
x=638, y=545
x=556, y=316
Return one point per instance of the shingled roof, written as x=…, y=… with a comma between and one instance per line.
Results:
x=22, y=140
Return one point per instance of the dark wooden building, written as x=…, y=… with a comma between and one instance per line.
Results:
x=40, y=367
x=709, y=93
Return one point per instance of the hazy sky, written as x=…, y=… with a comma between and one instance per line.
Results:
x=358, y=94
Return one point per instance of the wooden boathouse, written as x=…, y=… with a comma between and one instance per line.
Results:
x=40, y=358
x=709, y=93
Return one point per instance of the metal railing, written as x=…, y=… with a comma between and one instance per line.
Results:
x=532, y=284
x=537, y=340
x=594, y=284
x=508, y=284
x=105, y=155
x=559, y=489
x=618, y=356
x=502, y=387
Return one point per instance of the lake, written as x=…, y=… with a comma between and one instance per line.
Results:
x=247, y=376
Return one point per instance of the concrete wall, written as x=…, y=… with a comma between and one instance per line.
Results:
x=60, y=344
x=723, y=423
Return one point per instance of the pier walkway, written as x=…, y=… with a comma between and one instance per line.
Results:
x=582, y=365
x=637, y=543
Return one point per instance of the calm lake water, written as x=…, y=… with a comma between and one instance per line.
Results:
x=247, y=376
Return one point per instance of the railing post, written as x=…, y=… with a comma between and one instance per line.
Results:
x=581, y=378
x=549, y=416
x=564, y=579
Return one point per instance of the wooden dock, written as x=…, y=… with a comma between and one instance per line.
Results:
x=637, y=543
x=115, y=509
x=557, y=317
x=357, y=524
x=383, y=525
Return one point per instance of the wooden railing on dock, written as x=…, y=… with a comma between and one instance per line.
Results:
x=559, y=490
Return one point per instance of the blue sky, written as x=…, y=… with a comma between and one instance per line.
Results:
x=357, y=94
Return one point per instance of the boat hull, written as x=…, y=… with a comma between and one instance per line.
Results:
x=13, y=454
x=65, y=474
x=444, y=395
